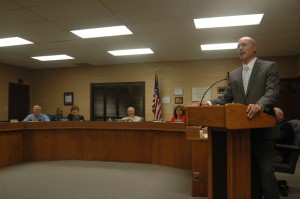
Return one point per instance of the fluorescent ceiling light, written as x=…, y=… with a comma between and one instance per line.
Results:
x=102, y=32
x=13, y=41
x=224, y=46
x=52, y=57
x=139, y=51
x=238, y=20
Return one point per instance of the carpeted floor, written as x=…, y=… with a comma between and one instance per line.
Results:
x=293, y=182
x=103, y=180
x=93, y=180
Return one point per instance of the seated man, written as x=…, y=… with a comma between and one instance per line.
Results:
x=287, y=135
x=131, y=117
x=37, y=115
x=58, y=115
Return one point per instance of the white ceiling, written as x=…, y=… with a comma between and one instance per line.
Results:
x=165, y=26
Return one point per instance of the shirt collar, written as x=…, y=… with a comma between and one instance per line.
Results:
x=251, y=63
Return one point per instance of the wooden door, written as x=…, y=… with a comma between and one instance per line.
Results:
x=19, y=101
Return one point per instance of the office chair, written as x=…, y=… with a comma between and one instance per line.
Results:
x=290, y=160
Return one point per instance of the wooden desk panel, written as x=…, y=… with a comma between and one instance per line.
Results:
x=199, y=161
x=171, y=149
x=92, y=144
x=10, y=148
x=147, y=142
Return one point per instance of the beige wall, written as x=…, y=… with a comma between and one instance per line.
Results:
x=171, y=74
x=185, y=74
x=9, y=74
x=48, y=85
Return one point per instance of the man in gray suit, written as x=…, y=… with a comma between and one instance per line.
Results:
x=260, y=92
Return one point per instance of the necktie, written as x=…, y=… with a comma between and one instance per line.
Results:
x=246, y=76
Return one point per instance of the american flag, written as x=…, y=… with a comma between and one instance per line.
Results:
x=156, y=106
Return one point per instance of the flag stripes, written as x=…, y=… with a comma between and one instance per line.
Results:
x=156, y=106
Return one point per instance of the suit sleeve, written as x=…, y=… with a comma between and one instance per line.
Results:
x=271, y=93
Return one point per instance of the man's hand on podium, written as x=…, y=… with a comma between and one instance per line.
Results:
x=253, y=109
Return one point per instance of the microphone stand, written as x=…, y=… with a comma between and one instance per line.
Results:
x=209, y=89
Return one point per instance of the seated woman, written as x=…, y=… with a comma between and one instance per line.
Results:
x=178, y=114
x=74, y=115
x=58, y=115
x=131, y=117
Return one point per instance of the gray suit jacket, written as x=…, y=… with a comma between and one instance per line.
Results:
x=263, y=88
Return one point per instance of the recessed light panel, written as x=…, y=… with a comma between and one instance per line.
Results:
x=13, y=41
x=139, y=51
x=228, y=21
x=53, y=57
x=224, y=46
x=102, y=32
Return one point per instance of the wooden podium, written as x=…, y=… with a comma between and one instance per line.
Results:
x=229, y=152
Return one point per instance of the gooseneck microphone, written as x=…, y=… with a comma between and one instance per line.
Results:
x=210, y=88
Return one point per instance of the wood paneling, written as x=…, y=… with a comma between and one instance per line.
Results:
x=11, y=148
x=147, y=142
x=91, y=144
x=199, y=168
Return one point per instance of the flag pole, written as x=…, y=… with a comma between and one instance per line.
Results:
x=156, y=105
